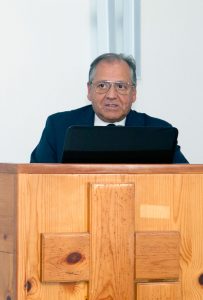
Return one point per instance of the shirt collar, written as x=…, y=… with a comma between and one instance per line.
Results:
x=99, y=122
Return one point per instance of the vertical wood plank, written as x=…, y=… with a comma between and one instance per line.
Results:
x=112, y=242
x=7, y=234
x=8, y=199
x=7, y=276
x=7, y=213
x=189, y=212
x=159, y=291
x=182, y=196
x=52, y=204
x=7, y=189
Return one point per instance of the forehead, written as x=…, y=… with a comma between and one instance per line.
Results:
x=112, y=70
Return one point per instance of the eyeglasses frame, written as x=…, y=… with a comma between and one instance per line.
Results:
x=130, y=85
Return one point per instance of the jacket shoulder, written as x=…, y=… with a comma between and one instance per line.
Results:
x=71, y=114
x=156, y=121
x=144, y=119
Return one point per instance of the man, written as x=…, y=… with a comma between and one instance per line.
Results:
x=112, y=91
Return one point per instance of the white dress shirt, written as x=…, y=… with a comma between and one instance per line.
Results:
x=99, y=122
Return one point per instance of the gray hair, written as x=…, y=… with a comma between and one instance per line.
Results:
x=113, y=57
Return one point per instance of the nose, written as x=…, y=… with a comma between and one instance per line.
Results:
x=112, y=92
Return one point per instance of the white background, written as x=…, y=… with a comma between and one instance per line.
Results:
x=46, y=47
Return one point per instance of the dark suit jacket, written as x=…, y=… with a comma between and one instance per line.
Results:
x=50, y=147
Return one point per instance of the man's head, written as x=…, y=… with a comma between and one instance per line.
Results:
x=112, y=86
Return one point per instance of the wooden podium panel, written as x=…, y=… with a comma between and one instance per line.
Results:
x=160, y=291
x=157, y=256
x=7, y=236
x=112, y=242
x=65, y=257
x=43, y=200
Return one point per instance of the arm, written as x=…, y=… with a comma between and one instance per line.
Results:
x=179, y=158
x=45, y=152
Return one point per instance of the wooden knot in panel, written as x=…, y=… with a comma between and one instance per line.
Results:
x=201, y=279
x=74, y=258
x=28, y=286
x=65, y=257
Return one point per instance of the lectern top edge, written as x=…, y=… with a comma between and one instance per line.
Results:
x=100, y=168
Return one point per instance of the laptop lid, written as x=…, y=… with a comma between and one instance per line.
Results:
x=117, y=144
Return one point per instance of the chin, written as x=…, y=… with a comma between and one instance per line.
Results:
x=112, y=118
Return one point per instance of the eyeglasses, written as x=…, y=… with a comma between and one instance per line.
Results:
x=102, y=87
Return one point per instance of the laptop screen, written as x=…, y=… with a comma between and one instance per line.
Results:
x=117, y=144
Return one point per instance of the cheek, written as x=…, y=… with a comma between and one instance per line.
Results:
x=126, y=102
x=126, y=105
x=97, y=99
x=90, y=95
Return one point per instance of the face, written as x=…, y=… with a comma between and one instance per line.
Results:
x=112, y=106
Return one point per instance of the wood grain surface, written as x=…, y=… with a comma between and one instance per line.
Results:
x=7, y=236
x=47, y=204
x=7, y=276
x=159, y=291
x=59, y=203
x=7, y=213
x=100, y=168
x=65, y=257
x=157, y=255
x=112, y=241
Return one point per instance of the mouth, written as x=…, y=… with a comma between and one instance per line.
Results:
x=111, y=106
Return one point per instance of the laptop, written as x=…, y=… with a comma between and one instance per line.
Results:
x=119, y=144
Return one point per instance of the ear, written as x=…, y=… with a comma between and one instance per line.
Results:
x=89, y=91
x=134, y=94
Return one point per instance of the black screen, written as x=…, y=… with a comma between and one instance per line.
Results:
x=103, y=144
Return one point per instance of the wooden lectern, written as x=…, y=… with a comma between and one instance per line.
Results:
x=101, y=232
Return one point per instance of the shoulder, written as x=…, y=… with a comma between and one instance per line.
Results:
x=80, y=116
x=146, y=120
x=75, y=113
x=155, y=121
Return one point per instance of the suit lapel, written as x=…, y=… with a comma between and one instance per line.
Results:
x=88, y=119
x=134, y=119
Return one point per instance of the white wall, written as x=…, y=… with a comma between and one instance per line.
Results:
x=44, y=59
x=172, y=68
x=45, y=52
